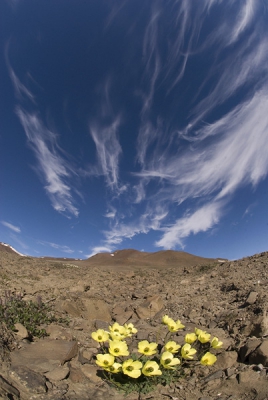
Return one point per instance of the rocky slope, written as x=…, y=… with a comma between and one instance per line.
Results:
x=229, y=299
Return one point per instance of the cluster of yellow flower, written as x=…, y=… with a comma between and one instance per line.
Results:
x=149, y=367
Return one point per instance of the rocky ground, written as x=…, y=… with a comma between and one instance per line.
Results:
x=228, y=299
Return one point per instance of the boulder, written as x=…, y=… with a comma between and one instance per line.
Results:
x=150, y=307
x=58, y=374
x=248, y=348
x=226, y=359
x=45, y=355
x=21, y=332
x=260, y=355
x=252, y=298
x=96, y=309
x=32, y=381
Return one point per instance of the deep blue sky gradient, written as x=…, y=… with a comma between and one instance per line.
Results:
x=134, y=124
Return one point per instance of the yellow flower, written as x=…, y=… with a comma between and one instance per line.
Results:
x=208, y=359
x=215, y=343
x=175, y=326
x=151, y=368
x=105, y=360
x=172, y=347
x=118, y=348
x=187, y=352
x=198, y=331
x=166, y=320
x=115, y=368
x=168, y=361
x=204, y=337
x=100, y=335
x=116, y=336
x=132, y=368
x=190, y=338
x=116, y=328
x=131, y=330
x=144, y=347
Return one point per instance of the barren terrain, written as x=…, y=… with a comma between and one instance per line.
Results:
x=228, y=299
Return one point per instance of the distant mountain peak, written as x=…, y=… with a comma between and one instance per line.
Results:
x=9, y=249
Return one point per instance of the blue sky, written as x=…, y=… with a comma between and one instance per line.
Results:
x=134, y=124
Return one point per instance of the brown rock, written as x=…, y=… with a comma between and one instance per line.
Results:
x=96, y=309
x=214, y=376
x=124, y=317
x=150, y=307
x=78, y=288
x=58, y=374
x=248, y=377
x=252, y=298
x=226, y=360
x=90, y=372
x=248, y=348
x=21, y=331
x=260, y=355
x=68, y=306
x=7, y=391
x=85, y=356
x=45, y=355
x=30, y=380
x=259, y=326
x=58, y=332
x=76, y=375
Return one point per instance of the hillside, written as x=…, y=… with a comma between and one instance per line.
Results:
x=130, y=258
x=228, y=299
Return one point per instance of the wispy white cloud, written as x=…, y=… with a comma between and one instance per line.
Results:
x=21, y=91
x=199, y=221
x=111, y=213
x=151, y=57
x=108, y=151
x=221, y=156
x=104, y=129
x=249, y=209
x=13, y=3
x=19, y=241
x=119, y=231
x=228, y=154
x=244, y=19
x=64, y=249
x=11, y=226
x=247, y=67
x=99, y=249
x=55, y=170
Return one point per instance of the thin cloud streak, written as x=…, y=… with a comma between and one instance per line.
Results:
x=103, y=129
x=244, y=19
x=54, y=169
x=65, y=249
x=244, y=69
x=14, y=228
x=151, y=219
x=108, y=151
x=21, y=90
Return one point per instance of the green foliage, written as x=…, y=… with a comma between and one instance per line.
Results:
x=31, y=315
x=142, y=385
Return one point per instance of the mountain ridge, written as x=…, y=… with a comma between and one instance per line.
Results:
x=131, y=257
